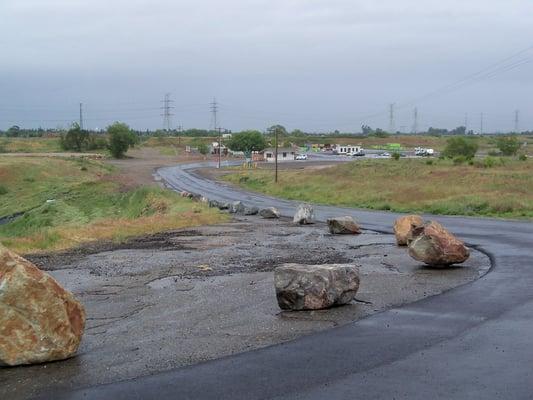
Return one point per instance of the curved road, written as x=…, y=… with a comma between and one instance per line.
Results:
x=472, y=342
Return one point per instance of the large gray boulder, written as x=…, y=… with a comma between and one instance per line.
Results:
x=304, y=214
x=343, y=225
x=251, y=210
x=269, y=212
x=315, y=287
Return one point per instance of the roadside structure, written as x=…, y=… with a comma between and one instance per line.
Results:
x=284, y=154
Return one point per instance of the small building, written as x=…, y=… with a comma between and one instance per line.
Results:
x=284, y=154
x=346, y=149
x=215, y=149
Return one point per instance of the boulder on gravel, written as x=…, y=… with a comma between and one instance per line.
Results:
x=403, y=227
x=39, y=320
x=236, y=207
x=343, y=225
x=315, y=287
x=269, y=212
x=434, y=245
x=304, y=215
x=251, y=210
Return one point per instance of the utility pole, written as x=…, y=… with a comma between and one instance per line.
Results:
x=214, y=110
x=516, y=121
x=276, y=155
x=466, y=122
x=391, y=118
x=81, y=116
x=166, y=112
x=415, y=122
x=481, y=125
x=219, y=146
x=179, y=134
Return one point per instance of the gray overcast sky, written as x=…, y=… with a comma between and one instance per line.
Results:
x=309, y=64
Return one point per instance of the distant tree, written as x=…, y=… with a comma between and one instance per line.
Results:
x=76, y=139
x=367, y=130
x=247, y=141
x=508, y=145
x=120, y=139
x=298, y=133
x=280, y=130
x=380, y=133
x=460, y=147
x=460, y=130
x=437, y=131
x=14, y=131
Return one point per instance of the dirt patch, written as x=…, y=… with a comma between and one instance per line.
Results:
x=186, y=296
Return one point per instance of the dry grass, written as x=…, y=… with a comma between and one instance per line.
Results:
x=407, y=185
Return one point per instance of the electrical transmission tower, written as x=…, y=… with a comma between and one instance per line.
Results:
x=167, y=115
x=81, y=116
x=214, y=110
x=415, y=121
x=481, y=124
x=516, y=121
x=391, y=118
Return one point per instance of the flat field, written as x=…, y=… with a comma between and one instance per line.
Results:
x=406, y=185
x=66, y=202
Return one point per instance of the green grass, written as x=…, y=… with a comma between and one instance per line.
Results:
x=500, y=188
x=69, y=202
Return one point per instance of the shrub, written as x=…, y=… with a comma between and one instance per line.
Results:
x=508, y=145
x=522, y=157
x=429, y=162
x=489, y=162
x=493, y=153
x=203, y=149
x=120, y=139
x=458, y=160
x=460, y=147
x=396, y=156
x=3, y=190
x=76, y=139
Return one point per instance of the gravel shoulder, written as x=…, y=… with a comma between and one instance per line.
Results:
x=187, y=296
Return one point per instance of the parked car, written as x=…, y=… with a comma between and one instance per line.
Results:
x=359, y=153
x=384, y=155
x=301, y=157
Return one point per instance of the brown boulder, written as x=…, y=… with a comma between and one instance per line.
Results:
x=343, y=225
x=403, y=226
x=434, y=245
x=39, y=320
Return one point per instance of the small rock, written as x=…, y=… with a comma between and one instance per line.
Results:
x=269, y=213
x=343, y=225
x=315, y=287
x=251, y=210
x=434, y=245
x=39, y=320
x=403, y=227
x=304, y=215
x=236, y=207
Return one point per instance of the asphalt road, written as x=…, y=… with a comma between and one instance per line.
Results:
x=472, y=342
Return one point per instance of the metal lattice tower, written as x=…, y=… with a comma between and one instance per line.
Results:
x=391, y=118
x=415, y=121
x=214, y=110
x=167, y=115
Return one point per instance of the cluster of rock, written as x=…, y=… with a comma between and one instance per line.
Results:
x=429, y=242
x=39, y=320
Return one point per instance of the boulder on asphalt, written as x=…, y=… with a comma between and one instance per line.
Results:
x=39, y=320
x=269, y=212
x=434, y=245
x=251, y=210
x=304, y=215
x=343, y=225
x=236, y=207
x=315, y=287
x=404, y=226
